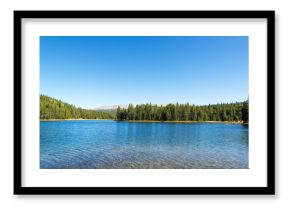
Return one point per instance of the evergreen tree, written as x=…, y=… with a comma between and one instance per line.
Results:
x=51, y=108
x=245, y=111
x=183, y=112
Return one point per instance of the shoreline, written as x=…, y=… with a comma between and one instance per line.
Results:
x=223, y=122
x=148, y=121
x=78, y=119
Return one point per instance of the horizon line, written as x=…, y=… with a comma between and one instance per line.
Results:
x=122, y=104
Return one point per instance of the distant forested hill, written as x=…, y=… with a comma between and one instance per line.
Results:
x=110, y=111
x=51, y=108
x=235, y=112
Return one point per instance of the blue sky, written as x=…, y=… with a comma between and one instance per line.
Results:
x=92, y=71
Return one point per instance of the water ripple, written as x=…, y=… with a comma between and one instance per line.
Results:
x=122, y=145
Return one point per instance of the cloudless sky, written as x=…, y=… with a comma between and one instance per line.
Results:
x=92, y=71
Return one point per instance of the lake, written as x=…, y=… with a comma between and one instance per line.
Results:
x=108, y=144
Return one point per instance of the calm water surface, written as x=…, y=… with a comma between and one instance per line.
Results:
x=107, y=144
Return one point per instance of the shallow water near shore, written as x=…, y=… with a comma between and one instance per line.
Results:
x=108, y=144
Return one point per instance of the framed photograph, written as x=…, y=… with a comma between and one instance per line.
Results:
x=144, y=102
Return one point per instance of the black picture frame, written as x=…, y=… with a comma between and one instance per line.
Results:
x=268, y=190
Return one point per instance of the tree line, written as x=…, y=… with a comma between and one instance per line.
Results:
x=51, y=108
x=185, y=112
